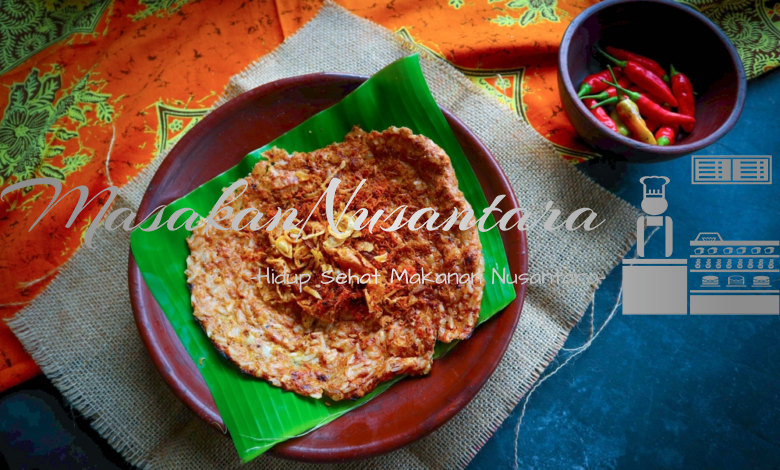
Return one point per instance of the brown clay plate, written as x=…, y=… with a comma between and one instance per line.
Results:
x=410, y=409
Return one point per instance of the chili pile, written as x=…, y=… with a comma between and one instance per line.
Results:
x=633, y=99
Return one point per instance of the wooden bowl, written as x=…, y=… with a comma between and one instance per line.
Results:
x=410, y=409
x=669, y=33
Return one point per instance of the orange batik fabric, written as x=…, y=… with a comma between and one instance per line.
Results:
x=508, y=48
x=91, y=93
x=93, y=90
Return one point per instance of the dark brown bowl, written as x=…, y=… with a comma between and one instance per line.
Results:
x=412, y=408
x=669, y=33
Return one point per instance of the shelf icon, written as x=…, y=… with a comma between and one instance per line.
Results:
x=739, y=284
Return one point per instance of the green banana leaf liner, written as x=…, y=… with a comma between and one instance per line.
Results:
x=257, y=414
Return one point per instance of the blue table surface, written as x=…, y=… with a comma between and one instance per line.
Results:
x=651, y=392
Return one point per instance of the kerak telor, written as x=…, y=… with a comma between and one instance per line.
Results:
x=514, y=219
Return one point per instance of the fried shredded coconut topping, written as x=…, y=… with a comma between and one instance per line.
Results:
x=340, y=338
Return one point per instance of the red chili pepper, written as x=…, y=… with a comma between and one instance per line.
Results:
x=610, y=92
x=683, y=91
x=667, y=134
x=628, y=112
x=645, y=62
x=595, y=83
x=652, y=124
x=622, y=128
x=609, y=96
x=650, y=82
x=601, y=115
x=652, y=98
x=653, y=111
x=644, y=78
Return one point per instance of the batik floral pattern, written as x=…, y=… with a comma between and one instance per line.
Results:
x=753, y=27
x=29, y=26
x=159, y=8
x=532, y=11
x=37, y=123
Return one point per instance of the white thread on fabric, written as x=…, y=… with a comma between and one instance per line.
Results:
x=25, y=285
x=108, y=155
x=16, y=304
x=575, y=351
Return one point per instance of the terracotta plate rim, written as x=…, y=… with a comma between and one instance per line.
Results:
x=163, y=348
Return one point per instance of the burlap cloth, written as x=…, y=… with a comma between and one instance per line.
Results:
x=82, y=333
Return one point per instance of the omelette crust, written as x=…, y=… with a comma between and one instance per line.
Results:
x=340, y=340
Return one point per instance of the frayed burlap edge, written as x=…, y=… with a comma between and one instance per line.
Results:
x=66, y=383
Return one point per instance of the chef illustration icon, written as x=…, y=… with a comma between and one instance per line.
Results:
x=654, y=204
x=655, y=286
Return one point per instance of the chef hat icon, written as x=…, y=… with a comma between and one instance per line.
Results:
x=654, y=186
x=654, y=196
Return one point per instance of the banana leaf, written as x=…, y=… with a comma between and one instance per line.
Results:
x=257, y=414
